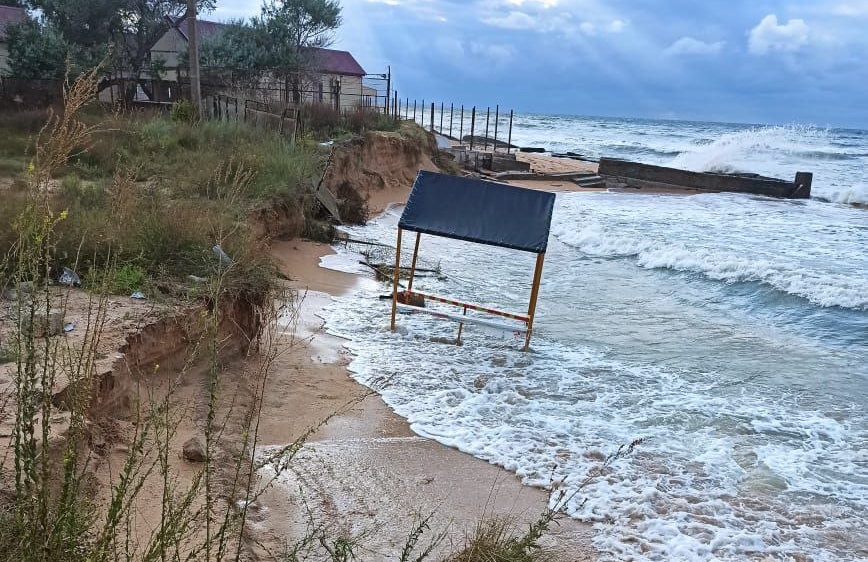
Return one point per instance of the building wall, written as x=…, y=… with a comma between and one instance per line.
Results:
x=168, y=49
x=320, y=89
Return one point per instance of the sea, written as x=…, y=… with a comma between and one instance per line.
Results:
x=727, y=333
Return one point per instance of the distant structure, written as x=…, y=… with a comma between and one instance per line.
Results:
x=336, y=77
x=8, y=16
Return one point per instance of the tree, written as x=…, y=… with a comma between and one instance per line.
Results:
x=119, y=33
x=278, y=42
x=36, y=51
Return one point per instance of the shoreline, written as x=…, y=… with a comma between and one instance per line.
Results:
x=365, y=471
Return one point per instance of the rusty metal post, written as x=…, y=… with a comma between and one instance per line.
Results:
x=496, y=117
x=534, y=294
x=413, y=264
x=451, y=116
x=397, y=273
x=487, y=117
x=509, y=142
x=472, y=126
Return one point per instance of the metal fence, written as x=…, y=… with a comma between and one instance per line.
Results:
x=488, y=129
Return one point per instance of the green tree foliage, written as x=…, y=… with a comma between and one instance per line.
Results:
x=119, y=33
x=36, y=51
x=278, y=41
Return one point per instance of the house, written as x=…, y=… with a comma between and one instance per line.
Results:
x=337, y=78
x=8, y=16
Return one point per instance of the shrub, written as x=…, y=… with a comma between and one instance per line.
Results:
x=184, y=112
x=127, y=279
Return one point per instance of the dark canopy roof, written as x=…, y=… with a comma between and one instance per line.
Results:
x=479, y=211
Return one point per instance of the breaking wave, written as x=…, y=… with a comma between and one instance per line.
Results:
x=821, y=288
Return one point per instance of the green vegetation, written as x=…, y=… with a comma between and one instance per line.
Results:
x=152, y=195
x=277, y=42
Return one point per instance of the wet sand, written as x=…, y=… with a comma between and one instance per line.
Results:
x=366, y=472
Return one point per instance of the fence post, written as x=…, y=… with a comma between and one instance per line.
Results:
x=397, y=107
x=461, y=126
x=407, y=109
x=414, y=111
x=472, y=126
x=388, y=90
x=451, y=115
x=423, y=113
x=441, y=117
x=487, y=117
x=509, y=142
x=496, y=117
x=432, y=117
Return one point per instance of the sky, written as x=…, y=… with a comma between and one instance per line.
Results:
x=744, y=61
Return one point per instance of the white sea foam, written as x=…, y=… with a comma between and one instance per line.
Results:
x=731, y=240
x=552, y=416
x=752, y=451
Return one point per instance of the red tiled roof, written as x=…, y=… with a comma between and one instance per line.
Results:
x=328, y=61
x=10, y=16
x=331, y=61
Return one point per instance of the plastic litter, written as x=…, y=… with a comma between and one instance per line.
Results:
x=197, y=279
x=225, y=261
x=327, y=143
x=138, y=295
x=69, y=278
x=68, y=327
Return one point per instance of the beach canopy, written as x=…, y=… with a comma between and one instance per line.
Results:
x=479, y=211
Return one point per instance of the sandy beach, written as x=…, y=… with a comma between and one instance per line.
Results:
x=365, y=473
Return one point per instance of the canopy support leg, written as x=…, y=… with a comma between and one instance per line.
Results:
x=534, y=293
x=397, y=274
x=413, y=265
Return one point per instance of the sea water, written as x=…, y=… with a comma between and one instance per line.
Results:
x=728, y=332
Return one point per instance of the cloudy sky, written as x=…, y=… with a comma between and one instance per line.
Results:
x=754, y=61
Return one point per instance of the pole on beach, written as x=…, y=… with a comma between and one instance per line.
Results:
x=472, y=126
x=534, y=293
x=461, y=129
x=397, y=272
x=509, y=142
x=451, y=115
x=432, y=116
x=487, y=117
x=407, y=109
x=423, y=113
x=413, y=264
x=496, y=117
x=441, y=117
x=397, y=106
x=414, y=109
